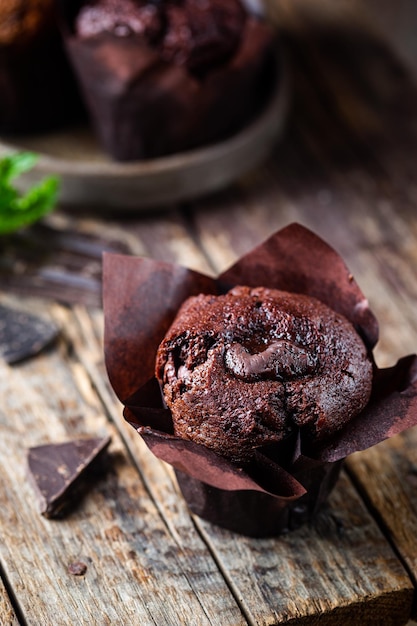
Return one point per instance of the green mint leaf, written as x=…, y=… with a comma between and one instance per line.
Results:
x=19, y=210
x=16, y=164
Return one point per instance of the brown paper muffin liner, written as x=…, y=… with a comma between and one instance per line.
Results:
x=285, y=484
x=258, y=514
x=144, y=107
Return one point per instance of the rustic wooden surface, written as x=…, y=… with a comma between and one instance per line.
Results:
x=346, y=169
x=7, y=614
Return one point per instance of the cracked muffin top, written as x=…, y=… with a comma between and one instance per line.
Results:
x=247, y=369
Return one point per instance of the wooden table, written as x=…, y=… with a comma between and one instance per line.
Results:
x=347, y=169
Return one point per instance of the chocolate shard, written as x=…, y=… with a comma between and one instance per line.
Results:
x=59, y=472
x=23, y=335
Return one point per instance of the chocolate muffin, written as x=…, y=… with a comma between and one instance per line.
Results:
x=247, y=369
x=166, y=76
x=38, y=90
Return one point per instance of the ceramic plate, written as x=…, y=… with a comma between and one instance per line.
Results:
x=91, y=180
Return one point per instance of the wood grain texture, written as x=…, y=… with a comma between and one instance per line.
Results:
x=68, y=268
x=135, y=568
x=85, y=333
x=334, y=571
x=386, y=476
x=7, y=613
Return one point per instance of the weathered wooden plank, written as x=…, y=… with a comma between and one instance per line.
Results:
x=386, y=476
x=136, y=570
x=7, y=613
x=337, y=570
x=84, y=330
x=60, y=259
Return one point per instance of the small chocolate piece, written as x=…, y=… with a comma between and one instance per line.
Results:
x=23, y=335
x=58, y=471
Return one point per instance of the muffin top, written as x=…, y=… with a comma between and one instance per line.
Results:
x=247, y=369
x=198, y=34
x=20, y=20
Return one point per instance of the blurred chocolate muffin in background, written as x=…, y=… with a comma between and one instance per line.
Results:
x=38, y=91
x=161, y=77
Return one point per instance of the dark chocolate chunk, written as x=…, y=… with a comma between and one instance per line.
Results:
x=23, y=335
x=59, y=472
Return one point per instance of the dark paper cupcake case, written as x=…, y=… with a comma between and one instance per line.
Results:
x=258, y=514
x=284, y=486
